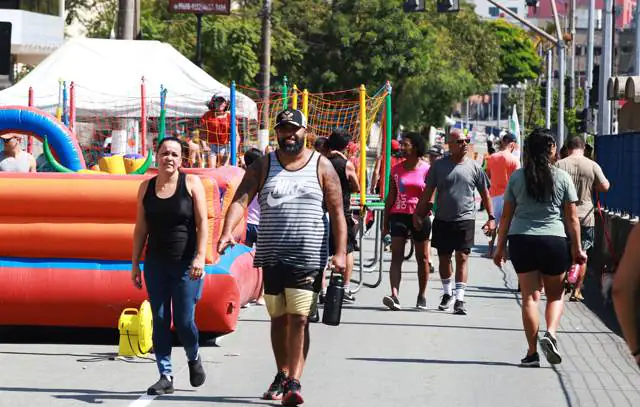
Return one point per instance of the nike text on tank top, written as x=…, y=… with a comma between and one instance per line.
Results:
x=171, y=224
x=293, y=226
x=19, y=163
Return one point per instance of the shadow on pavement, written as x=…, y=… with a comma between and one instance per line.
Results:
x=437, y=361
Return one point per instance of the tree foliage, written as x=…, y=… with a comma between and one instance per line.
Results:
x=519, y=61
x=432, y=60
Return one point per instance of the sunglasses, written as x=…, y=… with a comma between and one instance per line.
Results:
x=463, y=141
x=6, y=140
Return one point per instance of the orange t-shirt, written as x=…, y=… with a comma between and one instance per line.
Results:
x=215, y=129
x=500, y=166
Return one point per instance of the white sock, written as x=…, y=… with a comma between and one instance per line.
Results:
x=346, y=288
x=460, y=287
x=446, y=286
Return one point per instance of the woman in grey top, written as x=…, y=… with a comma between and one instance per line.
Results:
x=540, y=199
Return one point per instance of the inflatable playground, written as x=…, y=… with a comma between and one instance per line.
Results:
x=65, y=256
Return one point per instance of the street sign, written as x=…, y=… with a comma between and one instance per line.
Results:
x=200, y=6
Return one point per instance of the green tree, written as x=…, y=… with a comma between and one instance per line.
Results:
x=518, y=58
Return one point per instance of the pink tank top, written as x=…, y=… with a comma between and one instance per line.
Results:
x=409, y=184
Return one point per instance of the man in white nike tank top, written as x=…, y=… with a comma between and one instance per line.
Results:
x=13, y=158
x=296, y=187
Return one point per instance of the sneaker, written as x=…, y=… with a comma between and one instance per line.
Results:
x=549, y=346
x=276, y=390
x=421, y=303
x=197, y=375
x=162, y=386
x=315, y=317
x=458, y=308
x=392, y=303
x=348, y=298
x=530, y=361
x=446, y=302
x=322, y=297
x=292, y=395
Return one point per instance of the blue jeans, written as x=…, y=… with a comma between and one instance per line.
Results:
x=252, y=234
x=169, y=283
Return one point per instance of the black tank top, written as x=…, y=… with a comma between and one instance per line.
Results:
x=340, y=165
x=171, y=223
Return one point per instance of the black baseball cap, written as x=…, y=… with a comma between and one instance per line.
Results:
x=509, y=137
x=295, y=117
x=436, y=150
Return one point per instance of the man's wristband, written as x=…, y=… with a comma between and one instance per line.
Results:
x=491, y=217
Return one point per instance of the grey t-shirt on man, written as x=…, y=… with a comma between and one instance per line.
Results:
x=455, y=183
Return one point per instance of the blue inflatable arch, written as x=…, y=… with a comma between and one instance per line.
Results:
x=40, y=124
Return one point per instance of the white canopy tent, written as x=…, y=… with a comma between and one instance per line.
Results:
x=107, y=76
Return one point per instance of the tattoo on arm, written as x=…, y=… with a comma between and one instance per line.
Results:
x=250, y=183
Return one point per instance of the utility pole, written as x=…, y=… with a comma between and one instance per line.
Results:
x=263, y=137
x=561, y=76
x=126, y=18
x=199, y=39
x=549, y=95
x=572, y=60
x=590, y=45
x=137, y=27
x=604, y=106
x=499, y=116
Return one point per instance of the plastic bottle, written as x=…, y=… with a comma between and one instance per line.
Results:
x=574, y=271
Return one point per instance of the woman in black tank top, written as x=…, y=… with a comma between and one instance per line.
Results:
x=172, y=221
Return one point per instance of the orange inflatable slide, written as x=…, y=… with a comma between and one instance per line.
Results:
x=65, y=251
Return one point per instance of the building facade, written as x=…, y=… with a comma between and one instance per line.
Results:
x=37, y=28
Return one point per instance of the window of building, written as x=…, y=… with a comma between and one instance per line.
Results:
x=494, y=11
x=514, y=9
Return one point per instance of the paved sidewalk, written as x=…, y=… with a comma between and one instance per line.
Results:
x=375, y=358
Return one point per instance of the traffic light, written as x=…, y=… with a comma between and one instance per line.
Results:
x=581, y=121
x=5, y=48
x=594, y=93
x=448, y=6
x=411, y=6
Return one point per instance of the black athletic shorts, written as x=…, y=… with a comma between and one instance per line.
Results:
x=401, y=225
x=280, y=276
x=449, y=237
x=352, y=242
x=551, y=255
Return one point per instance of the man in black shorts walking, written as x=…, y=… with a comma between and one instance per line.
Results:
x=338, y=142
x=294, y=186
x=455, y=178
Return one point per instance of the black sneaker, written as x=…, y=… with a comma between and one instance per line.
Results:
x=292, y=393
x=162, y=386
x=459, y=309
x=549, y=346
x=276, y=390
x=321, y=297
x=530, y=361
x=348, y=298
x=421, y=303
x=315, y=316
x=197, y=375
x=446, y=302
x=392, y=302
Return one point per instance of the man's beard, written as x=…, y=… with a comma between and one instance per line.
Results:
x=291, y=148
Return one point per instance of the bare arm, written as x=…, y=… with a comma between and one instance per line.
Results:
x=333, y=199
x=32, y=164
x=194, y=183
x=140, y=231
x=425, y=203
x=352, y=176
x=626, y=291
x=247, y=189
x=391, y=200
x=487, y=202
x=505, y=223
x=601, y=182
x=375, y=177
x=573, y=225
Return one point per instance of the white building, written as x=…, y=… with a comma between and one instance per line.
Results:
x=487, y=10
x=37, y=28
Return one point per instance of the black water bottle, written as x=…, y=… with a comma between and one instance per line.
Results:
x=333, y=300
